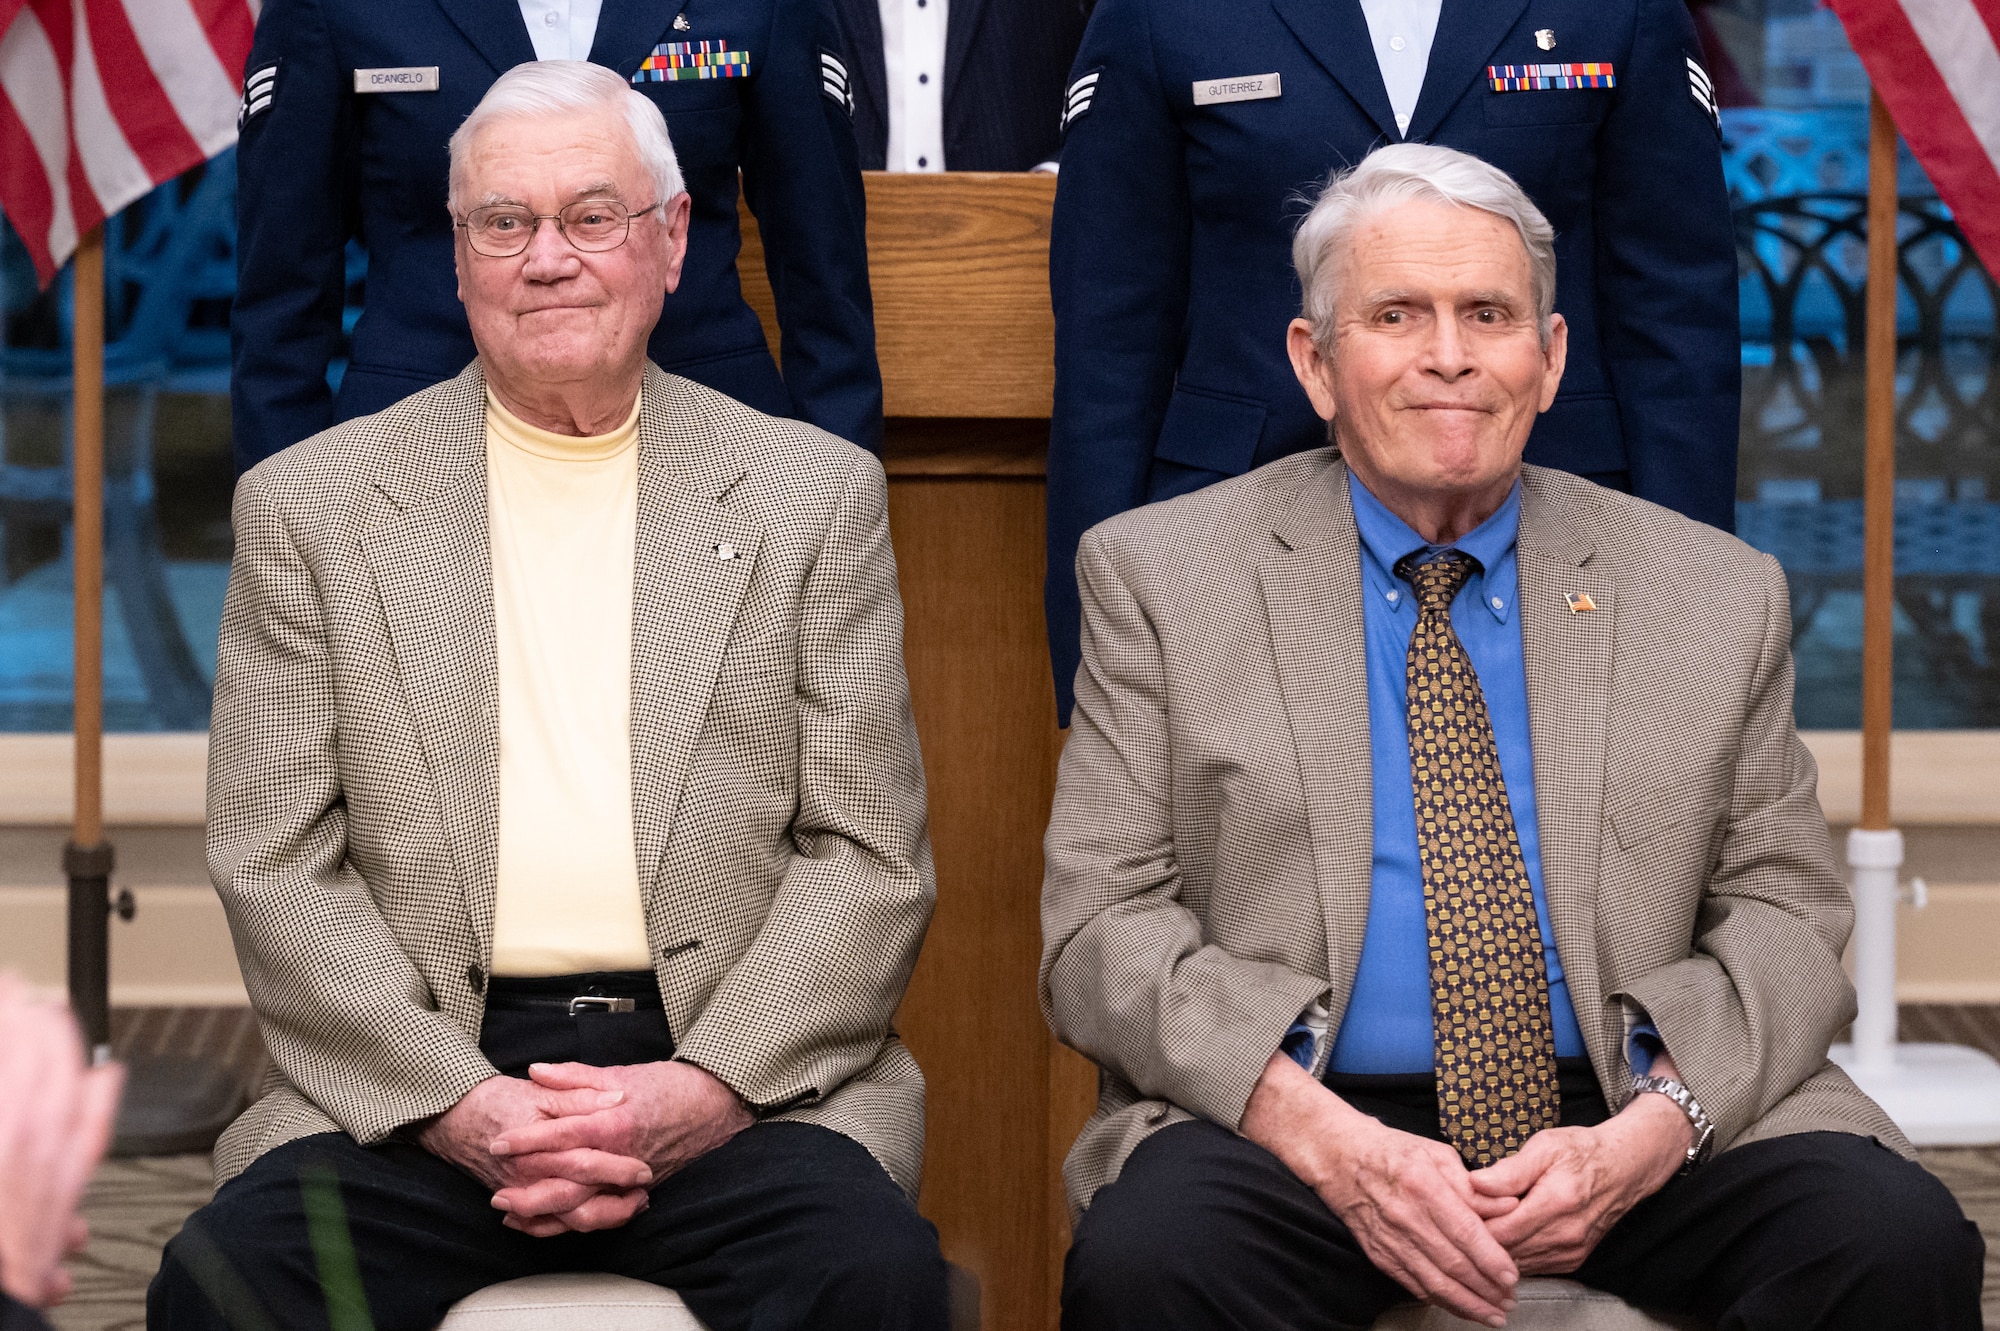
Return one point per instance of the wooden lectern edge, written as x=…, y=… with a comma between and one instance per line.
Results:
x=1002, y=448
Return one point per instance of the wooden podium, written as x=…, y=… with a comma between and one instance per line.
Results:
x=966, y=339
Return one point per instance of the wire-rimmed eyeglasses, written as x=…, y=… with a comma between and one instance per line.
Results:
x=502, y=230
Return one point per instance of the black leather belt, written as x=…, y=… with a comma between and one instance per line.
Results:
x=597, y=992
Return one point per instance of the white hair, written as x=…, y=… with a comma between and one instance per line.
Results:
x=563, y=87
x=1402, y=173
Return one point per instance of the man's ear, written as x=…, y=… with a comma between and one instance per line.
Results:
x=677, y=213
x=1314, y=371
x=1554, y=358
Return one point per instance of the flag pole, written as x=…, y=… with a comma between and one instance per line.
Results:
x=1939, y=1094
x=87, y=859
x=172, y=1104
x=1874, y=848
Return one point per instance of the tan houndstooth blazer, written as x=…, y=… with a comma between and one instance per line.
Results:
x=1209, y=855
x=778, y=797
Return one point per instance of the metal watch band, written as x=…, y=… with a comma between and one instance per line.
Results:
x=1704, y=1127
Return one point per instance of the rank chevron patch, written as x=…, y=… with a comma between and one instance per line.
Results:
x=1076, y=102
x=833, y=80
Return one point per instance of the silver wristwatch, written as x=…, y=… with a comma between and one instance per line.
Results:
x=1704, y=1127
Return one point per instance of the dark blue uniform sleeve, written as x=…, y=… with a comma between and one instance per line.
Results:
x=802, y=179
x=1118, y=274
x=1666, y=276
x=294, y=211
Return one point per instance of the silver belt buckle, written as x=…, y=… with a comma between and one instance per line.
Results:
x=598, y=1003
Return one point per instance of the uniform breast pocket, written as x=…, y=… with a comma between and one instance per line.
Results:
x=1211, y=431
x=702, y=118
x=1545, y=106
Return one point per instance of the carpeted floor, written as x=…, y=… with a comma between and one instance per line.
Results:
x=135, y=1206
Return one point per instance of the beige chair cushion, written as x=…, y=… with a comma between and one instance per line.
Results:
x=591, y=1302
x=1545, y=1305
x=583, y=1301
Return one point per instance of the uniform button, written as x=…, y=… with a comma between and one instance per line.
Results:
x=923, y=161
x=475, y=975
x=1397, y=43
x=923, y=78
x=549, y=19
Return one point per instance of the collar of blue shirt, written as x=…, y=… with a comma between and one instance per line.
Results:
x=1386, y=538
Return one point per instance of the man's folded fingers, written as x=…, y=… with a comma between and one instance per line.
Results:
x=574, y=1132
x=571, y=1077
x=536, y=1227
x=607, y=1210
x=583, y=1165
x=577, y=1101
x=1423, y=1278
x=549, y=1196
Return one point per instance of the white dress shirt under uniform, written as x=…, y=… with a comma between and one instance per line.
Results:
x=561, y=29
x=1401, y=31
x=913, y=36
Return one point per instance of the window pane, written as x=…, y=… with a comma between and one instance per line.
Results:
x=1795, y=146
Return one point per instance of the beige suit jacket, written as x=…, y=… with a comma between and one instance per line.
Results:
x=1209, y=855
x=778, y=796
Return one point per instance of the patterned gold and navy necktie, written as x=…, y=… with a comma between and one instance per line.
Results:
x=1496, y=1054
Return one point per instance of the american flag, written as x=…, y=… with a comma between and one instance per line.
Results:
x=1936, y=65
x=101, y=100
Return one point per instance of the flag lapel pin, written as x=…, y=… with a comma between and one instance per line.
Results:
x=1580, y=603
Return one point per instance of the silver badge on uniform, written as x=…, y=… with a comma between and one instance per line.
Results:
x=681, y=23
x=1545, y=38
x=402, y=78
x=1247, y=88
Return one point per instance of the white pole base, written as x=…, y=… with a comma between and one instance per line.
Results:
x=1938, y=1094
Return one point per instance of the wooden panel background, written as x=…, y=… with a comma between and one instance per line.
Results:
x=966, y=340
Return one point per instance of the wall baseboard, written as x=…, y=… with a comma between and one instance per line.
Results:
x=1940, y=776
x=149, y=780
x=176, y=951
x=179, y=953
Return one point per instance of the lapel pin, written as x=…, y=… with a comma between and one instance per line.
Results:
x=1545, y=38
x=681, y=24
x=1580, y=603
x=725, y=552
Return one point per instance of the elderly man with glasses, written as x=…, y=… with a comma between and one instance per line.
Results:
x=567, y=808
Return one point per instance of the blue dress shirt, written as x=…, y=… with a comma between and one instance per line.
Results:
x=1387, y=1026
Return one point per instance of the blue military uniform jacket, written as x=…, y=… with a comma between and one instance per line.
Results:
x=1171, y=252
x=320, y=162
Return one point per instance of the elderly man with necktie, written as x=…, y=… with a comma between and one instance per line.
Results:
x=1435, y=873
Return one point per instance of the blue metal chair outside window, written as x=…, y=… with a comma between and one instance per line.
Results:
x=161, y=255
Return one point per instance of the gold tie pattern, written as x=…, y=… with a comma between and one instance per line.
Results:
x=1496, y=1055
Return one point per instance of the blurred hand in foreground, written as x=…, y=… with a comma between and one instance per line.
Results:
x=56, y=1116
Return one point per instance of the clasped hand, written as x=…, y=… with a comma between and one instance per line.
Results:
x=1459, y=1238
x=576, y=1147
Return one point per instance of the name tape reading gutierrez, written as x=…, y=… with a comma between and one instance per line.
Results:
x=1248, y=88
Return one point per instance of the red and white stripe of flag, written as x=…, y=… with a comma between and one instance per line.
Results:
x=1936, y=64
x=101, y=100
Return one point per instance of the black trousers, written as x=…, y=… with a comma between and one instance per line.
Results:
x=1204, y=1229
x=787, y=1225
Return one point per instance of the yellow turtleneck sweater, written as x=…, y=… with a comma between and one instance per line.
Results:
x=562, y=512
